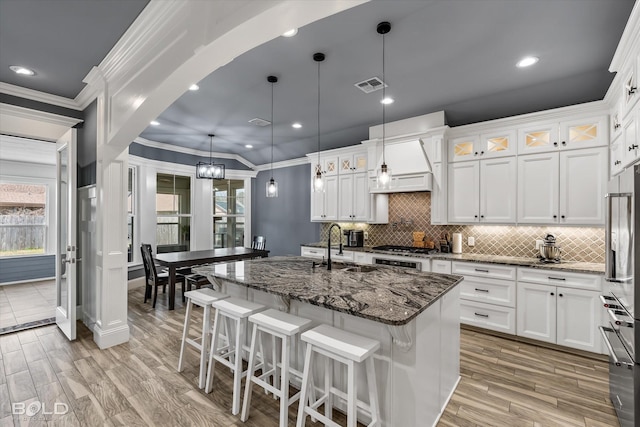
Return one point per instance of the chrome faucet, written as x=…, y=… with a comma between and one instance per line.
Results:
x=329, y=244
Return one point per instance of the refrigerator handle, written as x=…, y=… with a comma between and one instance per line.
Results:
x=609, y=272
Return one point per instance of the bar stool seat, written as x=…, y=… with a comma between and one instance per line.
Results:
x=347, y=348
x=202, y=298
x=235, y=310
x=283, y=326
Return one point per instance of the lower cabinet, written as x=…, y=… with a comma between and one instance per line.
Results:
x=488, y=316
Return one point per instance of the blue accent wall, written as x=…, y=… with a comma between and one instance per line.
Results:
x=152, y=153
x=285, y=220
x=39, y=106
x=27, y=268
x=87, y=140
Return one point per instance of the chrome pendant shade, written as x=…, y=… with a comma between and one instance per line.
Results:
x=210, y=170
x=318, y=181
x=383, y=173
x=272, y=185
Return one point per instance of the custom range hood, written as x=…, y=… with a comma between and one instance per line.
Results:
x=410, y=146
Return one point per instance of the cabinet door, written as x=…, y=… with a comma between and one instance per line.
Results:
x=616, y=120
x=498, y=144
x=616, y=156
x=578, y=319
x=498, y=190
x=536, y=312
x=331, y=198
x=538, y=138
x=345, y=197
x=630, y=146
x=630, y=88
x=463, y=191
x=360, y=197
x=583, y=179
x=330, y=166
x=464, y=148
x=538, y=186
x=583, y=133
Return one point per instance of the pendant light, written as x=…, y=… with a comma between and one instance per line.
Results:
x=272, y=185
x=384, y=173
x=210, y=170
x=318, y=182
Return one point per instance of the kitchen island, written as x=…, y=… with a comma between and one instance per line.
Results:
x=414, y=315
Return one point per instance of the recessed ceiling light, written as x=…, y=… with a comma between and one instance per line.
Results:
x=527, y=61
x=22, y=70
x=248, y=146
x=194, y=87
x=387, y=100
x=292, y=32
x=154, y=123
x=296, y=125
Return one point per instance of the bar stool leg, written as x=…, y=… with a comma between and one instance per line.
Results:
x=328, y=384
x=214, y=347
x=284, y=382
x=302, y=415
x=185, y=334
x=237, y=375
x=206, y=325
x=373, y=392
x=274, y=360
x=352, y=414
x=246, y=404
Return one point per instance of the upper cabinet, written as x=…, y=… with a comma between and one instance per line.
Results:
x=500, y=143
x=572, y=134
x=353, y=163
x=630, y=93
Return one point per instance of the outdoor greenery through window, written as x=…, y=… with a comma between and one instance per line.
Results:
x=23, y=219
x=228, y=213
x=173, y=207
x=130, y=214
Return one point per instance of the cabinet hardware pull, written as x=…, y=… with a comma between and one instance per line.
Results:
x=556, y=278
x=475, y=154
x=562, y=216
x=552, y=293
x=560, y=295
x=481, y=270
x=481, y=153
x=617, y=162
x=632, y=90
x=481, y=315
x=564, y=142
x=616, y=126
x=482, y=290
x=555, y=144
x=475, y=216
x=633, y=147
x=481, y=216
x=555, y=216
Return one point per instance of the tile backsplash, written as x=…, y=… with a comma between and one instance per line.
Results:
x=409, y=212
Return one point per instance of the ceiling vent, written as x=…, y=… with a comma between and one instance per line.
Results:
x=260, y=122
x=371, y=85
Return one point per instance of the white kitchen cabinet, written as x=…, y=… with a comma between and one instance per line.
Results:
x=631, y=141
x=498, y=143
x=488, y=316
x=483, y=191
x=313, y=252
x=362, y=257
x=570, y=134
x=578, y=317
x=630, y=87
x=353, y=162
x=616, y=156
x=329, y=165
x=537, y=312
x=324, y=204
x=440, y=266
x=464, y=148
x=353, y=194
x=616, y=121
x=562, y=188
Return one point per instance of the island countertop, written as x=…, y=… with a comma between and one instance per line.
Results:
x=388, y=295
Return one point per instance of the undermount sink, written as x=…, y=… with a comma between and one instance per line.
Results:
x=360, y=269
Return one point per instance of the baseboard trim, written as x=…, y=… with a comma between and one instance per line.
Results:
x=105, y=339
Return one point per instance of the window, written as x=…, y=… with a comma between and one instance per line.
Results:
x=228, y=213
x=130, y=214
x=173, y=208
x=23, y=219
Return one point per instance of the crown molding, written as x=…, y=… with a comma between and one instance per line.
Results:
x=35, y=95
x=283, y=164
x=192, y=151
x=185, y=169
x=42, y=116
x=628, y=42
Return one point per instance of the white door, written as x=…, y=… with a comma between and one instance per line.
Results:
x=464, y=187
x=578, y=319
x=360, y=197
x=345, y=196
x=66, y=234
x=538, y=186
x=583, y=180
x=498, y=190
x=330, y=198
x=536, y=312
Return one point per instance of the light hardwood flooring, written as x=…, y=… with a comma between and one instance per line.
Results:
x=27, y=302
x=504, y=383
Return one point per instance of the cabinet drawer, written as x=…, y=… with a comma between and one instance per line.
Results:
x=346, y=256
x=560, y=278
x=497, y=318
x=440, y=266
x=313, y=252
x=362, y=258
x=493, y=291
x=493, y=271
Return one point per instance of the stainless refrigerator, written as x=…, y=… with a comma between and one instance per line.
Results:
x=621, y=332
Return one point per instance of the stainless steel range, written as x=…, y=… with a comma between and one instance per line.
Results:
x=399, y=256
x=622, y=333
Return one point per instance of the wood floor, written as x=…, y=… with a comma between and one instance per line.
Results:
x=504, y=383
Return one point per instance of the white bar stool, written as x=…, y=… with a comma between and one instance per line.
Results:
x=236, y=310
x=346, y=348
x=280, y=325
x=203, y=298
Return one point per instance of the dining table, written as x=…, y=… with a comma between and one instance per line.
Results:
x=175, y=260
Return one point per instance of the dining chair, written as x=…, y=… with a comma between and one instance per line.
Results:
x=153, y=279
x=259, y=242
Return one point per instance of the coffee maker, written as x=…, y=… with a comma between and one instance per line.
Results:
x=355, y=238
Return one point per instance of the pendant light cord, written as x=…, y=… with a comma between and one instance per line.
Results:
x=319, y=115
x=211, y=150
x=384, y=85
x=272, y=130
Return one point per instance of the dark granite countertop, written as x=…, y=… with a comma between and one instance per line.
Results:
x=569, y=266
x=388, y=295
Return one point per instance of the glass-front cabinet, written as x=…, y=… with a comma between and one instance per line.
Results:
x=570, y=134
x=498, y=143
